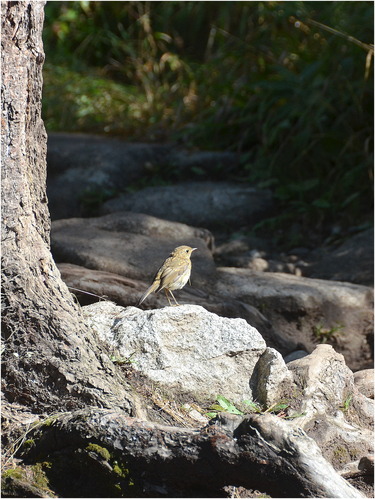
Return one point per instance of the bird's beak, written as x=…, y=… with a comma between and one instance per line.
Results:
x=193, y=249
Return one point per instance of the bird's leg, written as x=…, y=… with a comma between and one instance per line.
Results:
x=173, y=298
x=166, y=294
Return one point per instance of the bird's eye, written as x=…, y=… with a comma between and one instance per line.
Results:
x=187, y=251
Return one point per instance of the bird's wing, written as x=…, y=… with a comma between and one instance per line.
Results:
x=169, y=274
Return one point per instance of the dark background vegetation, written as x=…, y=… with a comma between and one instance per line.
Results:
x=288, y=85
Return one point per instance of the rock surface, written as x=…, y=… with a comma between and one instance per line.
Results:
x=186, y=348
x=206, y=204
x=271, y=380
x=130, y=244
x=297, y=354
x=290, y=312
x=334, y=413
x=364, y=381
x=80, y=164
x=352, y=261
x=307, y=310
x=85, y=168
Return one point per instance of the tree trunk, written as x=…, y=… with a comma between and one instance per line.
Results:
x=51, y=360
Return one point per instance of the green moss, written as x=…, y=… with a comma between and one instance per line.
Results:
x=29, y=443
x=40, y=478
x=50, y=421
x=100, y=451
x=13, y=473
x=121, y=471
x=340, y=451
x=118, y=470
x=340, y=455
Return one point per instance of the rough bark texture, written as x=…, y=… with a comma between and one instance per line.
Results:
x=50, y=360
x=258, y=451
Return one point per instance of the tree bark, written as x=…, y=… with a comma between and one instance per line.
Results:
x=51, y=360
x=258, y=451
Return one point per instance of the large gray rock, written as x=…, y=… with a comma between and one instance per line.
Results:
x=323, y=400
x=332, y=410
x=81, y=165
x=84, y=170
x=206, y=204
x=90, y=285
x=352, y=261
x=121, y=253
x=306, y=310
x=130, y=244
x=186, y=348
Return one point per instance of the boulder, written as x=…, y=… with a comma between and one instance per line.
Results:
x=130, y=244
x=206, y=204
x=85, y=170
x=307, y=311
x=352, y=261
x=92, y=285
x=82, y=165
x=185, y=349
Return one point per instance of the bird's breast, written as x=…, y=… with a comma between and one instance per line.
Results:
x=180, y=281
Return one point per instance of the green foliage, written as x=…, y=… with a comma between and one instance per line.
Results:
x=324, y=335
x=287, y=84
x=346, y=404
x=120, y=361
x=39, y=472
x=223, y=405
x=253, y=406
x=277, y=408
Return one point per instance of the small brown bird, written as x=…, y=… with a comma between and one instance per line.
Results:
x=173, y=274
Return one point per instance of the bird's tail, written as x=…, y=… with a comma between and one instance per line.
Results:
x=154, y=286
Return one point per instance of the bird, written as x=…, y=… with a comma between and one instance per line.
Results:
x=173, y=274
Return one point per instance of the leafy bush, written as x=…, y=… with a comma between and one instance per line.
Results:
x=289, y=85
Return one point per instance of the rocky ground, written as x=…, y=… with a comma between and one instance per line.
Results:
x=280, y=344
